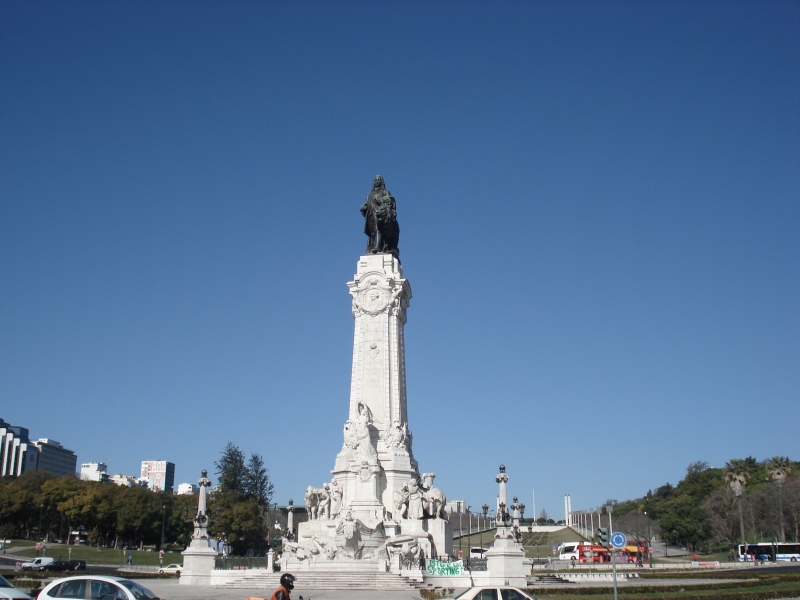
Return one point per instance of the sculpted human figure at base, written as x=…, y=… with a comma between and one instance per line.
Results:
x=324, y=496
x=415, y=508
x=336, y=499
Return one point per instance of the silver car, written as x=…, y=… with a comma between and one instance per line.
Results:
x=97, y=587
x=9, y=591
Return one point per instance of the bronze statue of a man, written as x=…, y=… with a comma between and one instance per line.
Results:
x=380, y=220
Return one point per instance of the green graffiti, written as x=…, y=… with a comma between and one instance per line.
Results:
x=437, y=567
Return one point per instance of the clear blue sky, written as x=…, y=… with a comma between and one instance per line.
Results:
x=599, y=219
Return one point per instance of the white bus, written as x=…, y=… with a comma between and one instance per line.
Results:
x=769, y=551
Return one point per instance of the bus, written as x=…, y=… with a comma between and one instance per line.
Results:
x=769, y=551
x=583, y=552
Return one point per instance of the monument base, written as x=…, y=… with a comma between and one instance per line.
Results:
x=506, y=562
x=198, y=563
x=442, y=536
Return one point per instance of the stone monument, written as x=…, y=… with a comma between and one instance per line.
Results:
x=505, y=560
x=199, y=557
x=378, y=511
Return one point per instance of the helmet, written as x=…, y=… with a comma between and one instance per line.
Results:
x=287, y=581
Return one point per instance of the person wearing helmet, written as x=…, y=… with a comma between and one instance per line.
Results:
x=287, y=584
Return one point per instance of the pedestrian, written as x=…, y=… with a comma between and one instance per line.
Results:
x=287, y=585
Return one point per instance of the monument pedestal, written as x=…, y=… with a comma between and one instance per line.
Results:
x=506, y=561
x=198, y=562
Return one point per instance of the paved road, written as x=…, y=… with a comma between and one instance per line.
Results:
x=170, y=589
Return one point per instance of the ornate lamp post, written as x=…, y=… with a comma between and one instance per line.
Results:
x=485, y=508
x=469, y=536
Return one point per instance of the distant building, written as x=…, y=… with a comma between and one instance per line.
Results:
x=94, y=472
x=17, y=454
x=188, y=488
x=55, y=459
x=125, y=480
x=456, y=506
x=160, y=474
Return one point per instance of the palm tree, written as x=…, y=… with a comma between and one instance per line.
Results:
x=779, y=467
x=736, y=477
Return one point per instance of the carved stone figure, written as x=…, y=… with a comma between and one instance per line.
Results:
x=380, y=220
x=434, y=498
x=324, y=502
x=336, y=499
x=415, y=501
x=400, y=498
x=312, y=503
x=365, y=446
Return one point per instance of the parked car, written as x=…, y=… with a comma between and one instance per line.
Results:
x=78, y=565
x=171, y=569
x=35, y=563
x=9, y=591
x=96, y=586
x=58, y=565
x=492, y=593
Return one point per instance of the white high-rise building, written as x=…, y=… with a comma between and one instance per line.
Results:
x=94, y=471
x=17, y=454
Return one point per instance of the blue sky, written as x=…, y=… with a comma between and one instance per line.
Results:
x=599, y=218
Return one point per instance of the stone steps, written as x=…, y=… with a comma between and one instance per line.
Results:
x=541, y=580
x=334, y=580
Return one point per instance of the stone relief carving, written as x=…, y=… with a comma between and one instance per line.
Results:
x=350, y=435
x=375, y=295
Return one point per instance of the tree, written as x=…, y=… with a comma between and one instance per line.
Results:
x=231, y=471
x=241, y=502
x=736, y=478
x=724, y=525
x=683, y=520
x=779, y=468
x=256, y=484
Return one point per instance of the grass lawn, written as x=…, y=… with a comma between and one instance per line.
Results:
x=547, y=541
x=103, y=556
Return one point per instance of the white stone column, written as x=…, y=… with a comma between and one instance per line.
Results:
x=199, y=557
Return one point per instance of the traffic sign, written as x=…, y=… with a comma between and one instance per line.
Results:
x=618, y=540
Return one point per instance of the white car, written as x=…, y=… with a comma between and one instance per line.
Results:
x=98, y=587
x=492, y=593
x=171, y=569
x=9, y=591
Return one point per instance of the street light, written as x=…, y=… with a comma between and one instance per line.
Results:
x=161, y=549
x=485, y=508
x=39, y=531
x=469, y=537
